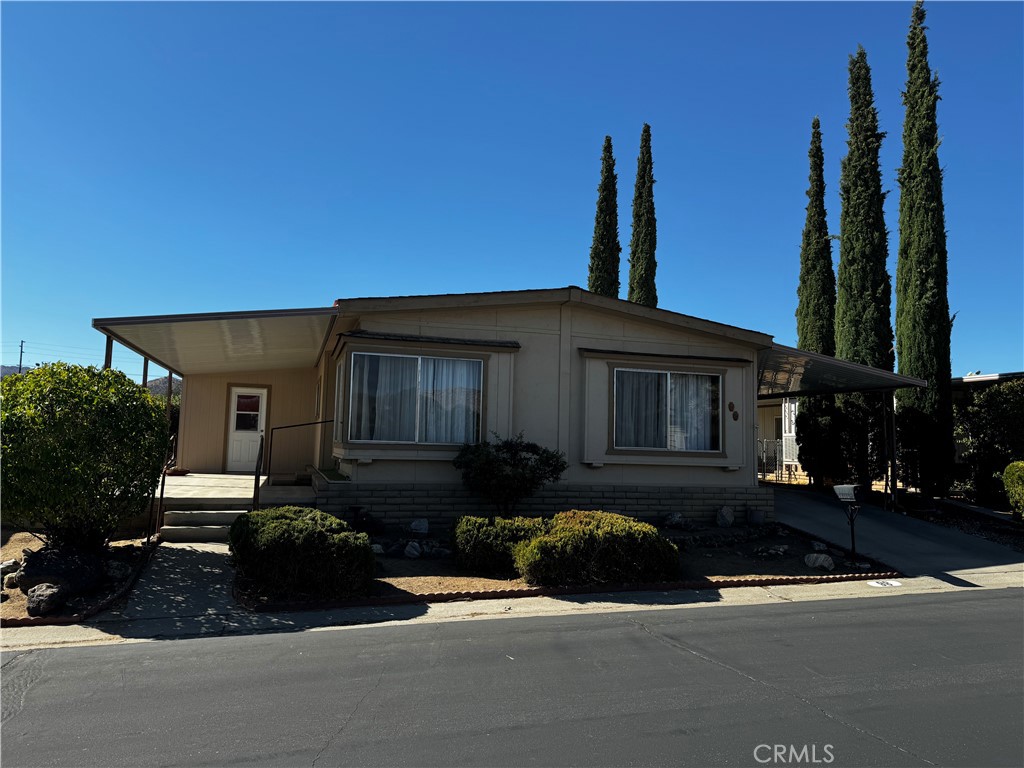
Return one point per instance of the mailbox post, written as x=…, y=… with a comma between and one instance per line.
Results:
x=850, y=495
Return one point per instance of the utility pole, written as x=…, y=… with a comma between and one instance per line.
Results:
x=21, y=354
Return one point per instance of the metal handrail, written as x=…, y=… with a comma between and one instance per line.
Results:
x=256, y=484
x=170, y=459
x=270, y=447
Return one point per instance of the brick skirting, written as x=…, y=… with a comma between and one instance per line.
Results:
x=443, y=503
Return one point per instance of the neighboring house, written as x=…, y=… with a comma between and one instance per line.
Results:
x=655, y=411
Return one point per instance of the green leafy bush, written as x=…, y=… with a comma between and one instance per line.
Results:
x=506, y=471
x=1013, y=481
x=82, y=449
x=990, y=430
x=486, y=546
x=596, y=548
x=288, y=550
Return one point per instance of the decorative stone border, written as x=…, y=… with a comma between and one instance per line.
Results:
x=271, y=606
x=78, y=618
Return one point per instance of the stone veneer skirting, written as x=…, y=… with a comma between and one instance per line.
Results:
x=443, y=503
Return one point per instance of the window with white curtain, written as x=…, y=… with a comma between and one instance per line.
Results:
x=414, y=399
x=666, y=410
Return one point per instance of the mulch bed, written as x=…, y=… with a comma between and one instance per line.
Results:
x=712, y=558
x=13, y=612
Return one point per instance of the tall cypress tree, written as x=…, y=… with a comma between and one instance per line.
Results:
x=644, y=240
x=815, y=323
x=923, y=325
x=605, y=250
x=863, y=297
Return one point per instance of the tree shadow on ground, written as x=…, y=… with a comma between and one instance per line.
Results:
x=186, y=591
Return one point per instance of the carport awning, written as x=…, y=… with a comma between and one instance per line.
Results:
x=790, y=372
x=225, y=342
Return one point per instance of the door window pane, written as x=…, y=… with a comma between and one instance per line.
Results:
x=247, y=422
x=247, y=403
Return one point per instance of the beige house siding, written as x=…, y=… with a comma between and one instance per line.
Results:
x=558, y=395
x=204, y=418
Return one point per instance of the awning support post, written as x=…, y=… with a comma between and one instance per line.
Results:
x=145, y=371
x=108, y=356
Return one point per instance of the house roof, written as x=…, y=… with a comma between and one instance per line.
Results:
x=791, y=372
x=226, y=342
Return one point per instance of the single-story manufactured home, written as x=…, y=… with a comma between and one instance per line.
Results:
x=656, y=411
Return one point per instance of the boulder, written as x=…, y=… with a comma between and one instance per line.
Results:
x=819, y=561
x=725, y=517
x=675, y=520
x=77, y=572
x=11, y=580
x=9, y=566
x=412, y=550
x=45, y=598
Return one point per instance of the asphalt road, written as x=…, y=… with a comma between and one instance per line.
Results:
x=915, y=680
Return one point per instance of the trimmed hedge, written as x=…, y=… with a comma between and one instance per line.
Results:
x=485, y=546
x=301, y=550
x=1013, y=481
x=595, y=548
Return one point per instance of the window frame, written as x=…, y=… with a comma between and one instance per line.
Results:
x=343, y=434
x=614, y=448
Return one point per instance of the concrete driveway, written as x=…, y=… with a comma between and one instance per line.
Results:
x=913, y=547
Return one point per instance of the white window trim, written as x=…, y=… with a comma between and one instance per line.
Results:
x=668, y=405
x=338, y=436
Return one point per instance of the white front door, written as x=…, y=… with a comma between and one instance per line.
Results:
x=245, y=425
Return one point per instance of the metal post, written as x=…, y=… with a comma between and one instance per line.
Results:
x=21, y=354
x=108, y=357
x=170, y=388
x=891, y=394
x=145, y=371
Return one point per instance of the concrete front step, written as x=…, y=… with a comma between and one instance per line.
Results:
x=194, y=534
x=201, y=517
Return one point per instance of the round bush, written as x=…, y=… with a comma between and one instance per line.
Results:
x=486, y=546
x=297, y=550
x=1013, y=481
x=82, y=449
x=596, y=548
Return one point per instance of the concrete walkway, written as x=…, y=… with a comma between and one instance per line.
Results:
x=913, y=547
x=186, y=590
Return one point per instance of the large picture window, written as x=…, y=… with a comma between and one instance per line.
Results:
x=665, y=410
x=409, y=399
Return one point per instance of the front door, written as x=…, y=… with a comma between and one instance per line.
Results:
x=245, y=426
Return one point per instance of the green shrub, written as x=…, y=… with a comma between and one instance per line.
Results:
x=82, y=449
x=507, y=471
x=486, y=546
x=990, y=430
x=1013, y=481
x=596, y=548
x=288, y=550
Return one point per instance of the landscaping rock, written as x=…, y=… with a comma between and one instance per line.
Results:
x=76, y=572
x=9, y=566
x=377, y=549
x=115, y=570
x=818, y=546
x=45, y=598
x=413, y=550
x=725, y=517
x=819, y=561
x=11, y=580
x=419, y=526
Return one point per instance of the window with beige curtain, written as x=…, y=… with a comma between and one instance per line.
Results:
x=414, y=399
x=666, y=410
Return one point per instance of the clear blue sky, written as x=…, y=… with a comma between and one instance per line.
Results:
x=192, y=157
